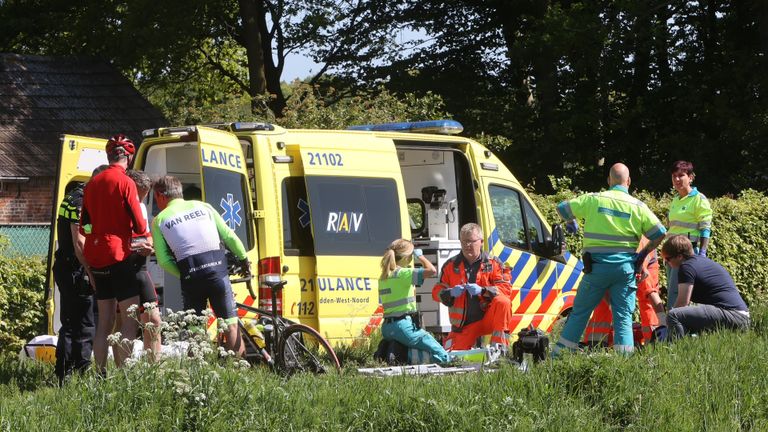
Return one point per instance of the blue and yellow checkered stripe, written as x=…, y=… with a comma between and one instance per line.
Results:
x=541, y=287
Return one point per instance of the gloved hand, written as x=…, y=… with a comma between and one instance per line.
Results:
x=703, y=252
x=456, y=291
x=417, y=253
x=245, y=267
x=572, y=227
x=639, y=261
x=660, y=333
x=473, y=289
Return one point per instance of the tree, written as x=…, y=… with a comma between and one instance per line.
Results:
x=201, y=50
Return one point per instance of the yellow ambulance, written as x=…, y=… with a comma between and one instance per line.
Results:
x=319, y=207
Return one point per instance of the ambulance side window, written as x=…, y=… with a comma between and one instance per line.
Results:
x=353, y=215
x=297, y=231
x=535, y=228
x=508, y=214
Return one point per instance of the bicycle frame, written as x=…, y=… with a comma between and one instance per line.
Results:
x=278, y=322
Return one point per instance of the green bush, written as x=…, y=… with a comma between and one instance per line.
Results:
x=739, y=233
x=21, y=301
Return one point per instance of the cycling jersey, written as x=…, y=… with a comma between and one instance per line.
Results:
x=110, y=213
x=185, y=243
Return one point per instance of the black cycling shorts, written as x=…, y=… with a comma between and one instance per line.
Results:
x=117, y=281
x=196, y=293
x=147, y=293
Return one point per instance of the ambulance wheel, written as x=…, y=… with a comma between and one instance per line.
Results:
x=303, y=349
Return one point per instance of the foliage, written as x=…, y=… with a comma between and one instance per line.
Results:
x=578, y=85
x=712, y=382
x=319, y=107
x=309, y=108
x=561, y=88
x=21, y=301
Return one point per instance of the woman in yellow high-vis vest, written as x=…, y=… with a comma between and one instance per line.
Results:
x=398, y=298
x=690, y=215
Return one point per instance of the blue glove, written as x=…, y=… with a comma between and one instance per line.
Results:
x=456, y=291
x=417, y=253
x=572, y=227
x=473, y=289
x=703, y=252
x=660, y=333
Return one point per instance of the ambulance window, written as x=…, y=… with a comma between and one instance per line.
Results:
x=225, y=191
x=297, y=232
x=353, y=215
x=508, y=215
x=535, y=227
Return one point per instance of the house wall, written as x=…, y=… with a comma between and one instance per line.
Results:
x=29, y=202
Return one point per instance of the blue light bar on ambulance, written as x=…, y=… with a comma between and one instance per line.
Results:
x=442, y=127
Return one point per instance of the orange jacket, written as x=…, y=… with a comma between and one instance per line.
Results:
x=492, y=275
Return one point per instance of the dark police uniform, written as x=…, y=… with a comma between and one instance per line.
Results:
x=75, y=344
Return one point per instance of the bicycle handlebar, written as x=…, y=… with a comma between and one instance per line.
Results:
x=248, y=284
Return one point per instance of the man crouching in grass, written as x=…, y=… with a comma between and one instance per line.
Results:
x=706, y=283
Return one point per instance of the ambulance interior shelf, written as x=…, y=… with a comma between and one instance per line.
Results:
x=439, y=188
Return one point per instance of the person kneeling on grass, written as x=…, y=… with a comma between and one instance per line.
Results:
x=398, y=298
x=706, y=283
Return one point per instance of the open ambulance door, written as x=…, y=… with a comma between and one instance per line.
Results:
x=78, y=157
x=357, y=208
x=211, y=167
x=518, y=235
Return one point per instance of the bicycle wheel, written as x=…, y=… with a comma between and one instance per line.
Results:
x=303, y=349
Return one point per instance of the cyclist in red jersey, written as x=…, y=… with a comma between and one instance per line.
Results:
x=111, y=213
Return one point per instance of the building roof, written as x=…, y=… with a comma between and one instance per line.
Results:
x=42, y=98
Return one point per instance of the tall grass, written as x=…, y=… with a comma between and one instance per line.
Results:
x=714, y=382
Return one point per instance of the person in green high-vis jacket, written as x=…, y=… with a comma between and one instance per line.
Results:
x=690, y=215
x=397, y=294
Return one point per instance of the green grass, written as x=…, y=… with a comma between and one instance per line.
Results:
x=715, y=382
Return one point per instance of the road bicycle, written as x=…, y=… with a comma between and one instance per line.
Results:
x=284, y=345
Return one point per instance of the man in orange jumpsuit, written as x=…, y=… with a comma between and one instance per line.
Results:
x=600, y=327
x=476, y=288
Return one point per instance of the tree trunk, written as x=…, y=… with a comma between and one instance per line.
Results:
x=271, y=72
x=252, y=41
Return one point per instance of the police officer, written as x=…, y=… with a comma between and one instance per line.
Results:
x=75, y=343
x=614, y=223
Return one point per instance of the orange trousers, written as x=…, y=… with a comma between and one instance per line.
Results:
x=495, y=322
x=600, y=326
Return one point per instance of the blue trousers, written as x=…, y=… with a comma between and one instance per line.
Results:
x=619, y=280
x=423, y=348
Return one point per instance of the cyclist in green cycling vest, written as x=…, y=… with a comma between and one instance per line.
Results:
x=187, y=238
x=398, y=298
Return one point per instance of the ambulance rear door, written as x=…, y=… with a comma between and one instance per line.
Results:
x=357, y=208
x=211, y=166
x=78, y=157
x=542, y=281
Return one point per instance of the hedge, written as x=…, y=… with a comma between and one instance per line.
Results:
x=22, y=309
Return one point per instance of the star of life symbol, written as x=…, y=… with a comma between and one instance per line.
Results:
x=231, y=214
x=303, y=207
